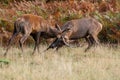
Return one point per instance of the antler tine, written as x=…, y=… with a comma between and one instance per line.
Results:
x=58, y=27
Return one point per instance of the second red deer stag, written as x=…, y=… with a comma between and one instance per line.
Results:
x=31, y=25
x=87, y=28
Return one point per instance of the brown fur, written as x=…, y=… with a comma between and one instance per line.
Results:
x=33, y=25
x=87, y=28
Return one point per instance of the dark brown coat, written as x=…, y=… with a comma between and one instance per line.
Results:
x=87, y=28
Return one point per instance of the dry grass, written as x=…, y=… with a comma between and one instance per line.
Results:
x=101, y=63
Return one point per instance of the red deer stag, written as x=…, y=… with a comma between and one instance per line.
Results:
x=87, y=28
x=31, y=25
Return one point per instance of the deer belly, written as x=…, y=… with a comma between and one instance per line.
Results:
x=79, y=34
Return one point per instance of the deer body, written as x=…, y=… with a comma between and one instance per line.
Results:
x=81, y=28
x=87, y=28
x=31, y=25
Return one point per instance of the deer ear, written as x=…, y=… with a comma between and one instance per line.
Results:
x=58, y=27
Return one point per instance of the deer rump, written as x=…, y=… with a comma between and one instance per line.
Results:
x=87, y=28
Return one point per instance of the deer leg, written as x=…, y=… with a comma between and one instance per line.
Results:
x=91, y=39
x=22, y=40
x=10, y=42
x=38, y=41
x=90, y=43
x=36, y=38
x=95, y=39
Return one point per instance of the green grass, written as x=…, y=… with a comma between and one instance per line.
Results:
x=100, y=63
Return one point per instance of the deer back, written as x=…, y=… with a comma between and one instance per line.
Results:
x=82, y=27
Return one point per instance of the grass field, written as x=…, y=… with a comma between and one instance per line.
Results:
x=100, y=63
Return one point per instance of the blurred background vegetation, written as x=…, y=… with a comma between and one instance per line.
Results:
x=60, y=11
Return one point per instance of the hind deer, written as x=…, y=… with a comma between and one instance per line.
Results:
x=31, y=25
